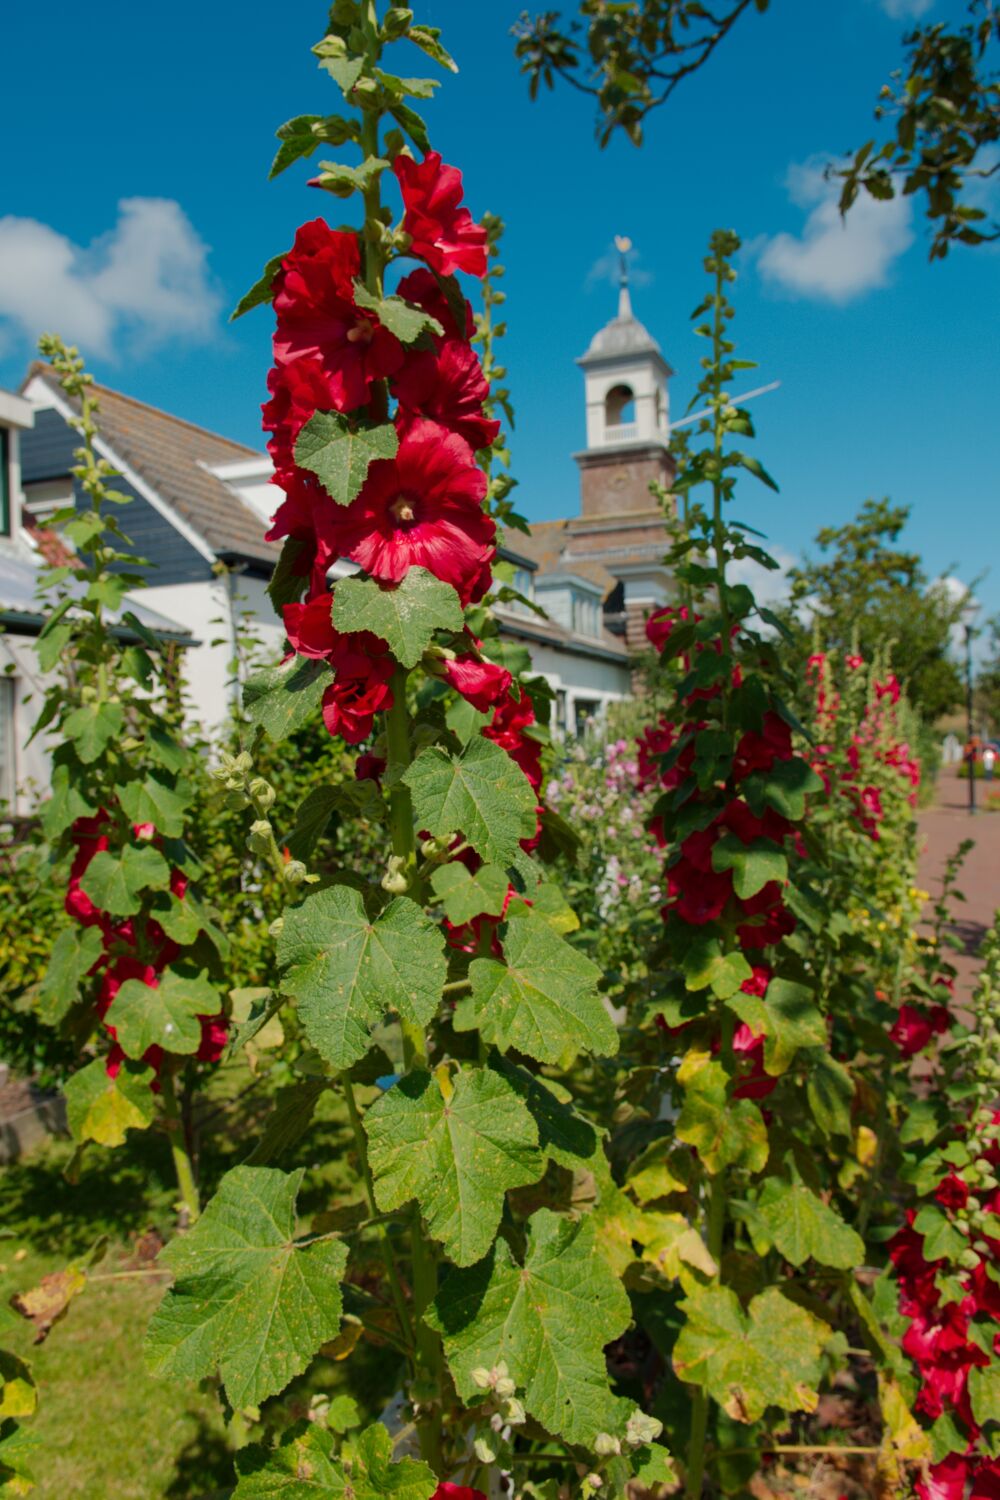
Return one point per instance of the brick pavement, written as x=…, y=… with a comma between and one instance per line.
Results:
x=944, y=826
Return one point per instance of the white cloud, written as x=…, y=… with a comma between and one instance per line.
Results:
x=146, y=281
x=607, y=268
x=835, y=259
x=906, y=10
x=770, y=586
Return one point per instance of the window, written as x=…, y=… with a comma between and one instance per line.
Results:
x=586, y=711
x=585, y=615
x=5, y=446
x=524, y=582
x=619, y=406
x=8, y=765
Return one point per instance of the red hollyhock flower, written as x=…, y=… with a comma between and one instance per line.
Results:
x=447, y=383
x=423, y=508
x=758, y=752
x=481, y=683
x=986, y=1483
x=369, y=767
x=423, y=288
x=360, y=688
x=441, y=233
x=309, y=515
x=319, y=321
x=663, y=621
x=446, y=1491
x=698, y=896
x=309, y=626
x=777, y=924
x=298, y=391
x=952, y=1193
x=914, y=1028
x=214, y=1035
x=945, y=1481
x=506, y=729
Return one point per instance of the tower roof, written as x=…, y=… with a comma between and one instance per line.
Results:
x=624, y=337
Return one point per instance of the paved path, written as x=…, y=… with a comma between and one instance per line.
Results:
x=944, y=826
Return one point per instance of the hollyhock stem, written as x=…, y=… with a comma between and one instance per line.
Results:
x=191, y=1205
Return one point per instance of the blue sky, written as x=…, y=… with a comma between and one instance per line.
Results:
x=136, y=210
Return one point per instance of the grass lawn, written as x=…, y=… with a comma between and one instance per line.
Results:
x=106, y=1429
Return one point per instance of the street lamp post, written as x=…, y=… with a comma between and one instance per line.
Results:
x=969, y=612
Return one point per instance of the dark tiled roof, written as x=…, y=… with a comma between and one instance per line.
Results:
x=169, y=454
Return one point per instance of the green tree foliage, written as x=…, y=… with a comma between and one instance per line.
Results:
x=866, y=594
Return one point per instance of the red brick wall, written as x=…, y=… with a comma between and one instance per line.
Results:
x=611, y=483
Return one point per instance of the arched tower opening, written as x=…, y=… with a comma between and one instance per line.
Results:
x=619, y=406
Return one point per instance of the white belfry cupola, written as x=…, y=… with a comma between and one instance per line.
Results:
x=625, y=379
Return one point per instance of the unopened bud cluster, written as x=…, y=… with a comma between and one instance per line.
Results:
x=640, y=1429
x=501, y=1412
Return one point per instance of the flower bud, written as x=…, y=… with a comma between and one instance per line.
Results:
x=276, y=928
x=395, y=880
x=505, y=1386
x=485, y=1450
x=641, y=1429
x=263, y=793
x=295, y=872
x=515, y=1413
x=481, y=1377
x=605, y=1445
x=968, y=1259
x=260, y=836
x=243, y=762
x=593, y=1482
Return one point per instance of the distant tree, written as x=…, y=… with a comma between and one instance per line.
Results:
x=865, y=593
x=944, y=104
x=987, y=689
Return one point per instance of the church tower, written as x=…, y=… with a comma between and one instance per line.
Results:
x=628, y=414
x=621, y=525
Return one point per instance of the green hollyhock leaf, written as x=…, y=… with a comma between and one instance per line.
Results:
x=181, y=920
x=788, y=1018
x=701, y=960
x=101, y=1109
x=984, y=1389
x=403, y=319
x=542, y=1000
x=480, y=793
x=466, y=896
x=563, y=1134
x=74, y=952
x=338, y=452
x=428, y=39
x=455, y=1145
x=346, y=970
x=404, y=614
x=17, y=1447
x=305, y=1466
x=725, y=1132
x=92, y=727
x=942, y=1240
x=65, y=805
x=155, y=801
x=342, y=181
x=18, y=1397
x=748, y=1361
x=166, y=750
x=753, y=865
x=284, y=698
x=801, y=1226
x=248, y=1299
x=166, y=1016
x=549, y=1321
x=262, y=290
x=784, y=788
x=115, y=883
x=830, y=1091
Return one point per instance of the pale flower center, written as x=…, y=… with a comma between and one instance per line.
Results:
x=361, y=333
x=403, y=509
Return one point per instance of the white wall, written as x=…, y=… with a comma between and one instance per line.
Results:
x=211, y=612
x=31, y=762
x=581, y=678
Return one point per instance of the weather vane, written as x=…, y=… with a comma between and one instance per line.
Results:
x=623, y=245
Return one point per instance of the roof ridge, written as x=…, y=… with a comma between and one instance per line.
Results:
x=40, y=367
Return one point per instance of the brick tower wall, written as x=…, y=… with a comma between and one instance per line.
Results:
x=617, y=481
